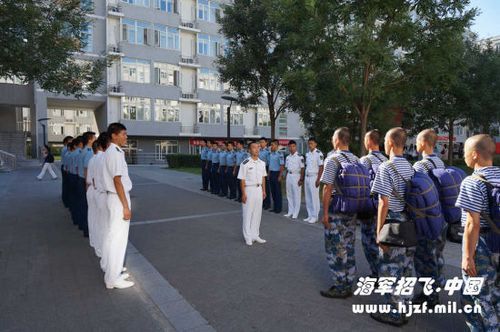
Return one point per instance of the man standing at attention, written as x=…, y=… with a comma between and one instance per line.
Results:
x=314, y=170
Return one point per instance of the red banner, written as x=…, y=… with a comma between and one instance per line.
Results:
x=445, y=138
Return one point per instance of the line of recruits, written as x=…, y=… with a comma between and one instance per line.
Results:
x=220, y=164
x=95, y=189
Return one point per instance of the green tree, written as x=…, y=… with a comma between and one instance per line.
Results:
x=38, y=41
x=254, y=60
x=363, y=55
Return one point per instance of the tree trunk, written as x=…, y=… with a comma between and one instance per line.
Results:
x=272, y=117
x=363, y=124
x=451, y=123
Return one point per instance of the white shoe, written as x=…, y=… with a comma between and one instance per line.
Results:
x=312, y=221
x=125, y=276
x=288, y=215
x=121, y=284
x=124, y=269
x=307, y=219
x=259, y=240
x=249, y=243
x=294, y=217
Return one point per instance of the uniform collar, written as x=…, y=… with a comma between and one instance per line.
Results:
x=113, y=145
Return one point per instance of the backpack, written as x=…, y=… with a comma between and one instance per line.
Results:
x=493, y=190
x=372, y=207
x=422, y=205
x=447, y=182
x=352, y=189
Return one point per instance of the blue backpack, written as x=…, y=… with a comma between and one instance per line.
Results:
x=372, y=207
x=493, y=189
x=422, y=205
x=447, y=182
x=352, y=189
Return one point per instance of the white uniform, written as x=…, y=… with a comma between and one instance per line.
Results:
x=117, y=236
x=252, y=171
x=294, y=164
x=91, y=202
x=314, y=160
x=101, y=214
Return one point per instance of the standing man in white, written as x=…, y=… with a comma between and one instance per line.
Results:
x=252, y=174
x=117, y=184
x=101, y=214
x=294, y=165
x=314, y=170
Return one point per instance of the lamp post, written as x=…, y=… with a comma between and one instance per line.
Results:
x=228, y=114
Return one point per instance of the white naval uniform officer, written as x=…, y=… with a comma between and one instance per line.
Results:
x=252, y=174
x=294, y=165
x=314, y=170
x=118, y=185
x=101, y=215
x=91, y=193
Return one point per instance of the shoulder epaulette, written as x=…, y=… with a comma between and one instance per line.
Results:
x=246, y=161
x=117, y=149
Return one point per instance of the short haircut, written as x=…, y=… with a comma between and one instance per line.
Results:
x=292, y=142
x=230, y=142
x=76, y=141
x=374, y=136
x=242, y=142
x=95, y=146
x=86, y=137
x=482, y=144
x=343, y=135
x=115, y=128
x=312, y=139
x=429, y=136
x=250, y=143
x=103, y=140
x=205, y=141
x=66, y=139
x=213, y=142
x=71, y=145
x=263, y=139
x=275, y=141
x=397, y=136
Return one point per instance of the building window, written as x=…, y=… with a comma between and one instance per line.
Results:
x=209, y=79
x=209, y=45
x=263, y=118
x=169, y=6
x=136, y=32
x=87, y=39
x=142, y=3
x=167, y=110
x=82, y=113
x=56, y=112
x=236, y=115
x=164, y=147
x=167, y=37
x=136, y=108
x=458, y=130
x=209, y=113
x=166, y=74
x=135, y=70
x=57, y=129
x=208, y=10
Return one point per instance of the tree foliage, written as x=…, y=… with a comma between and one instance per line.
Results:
x=38, y=41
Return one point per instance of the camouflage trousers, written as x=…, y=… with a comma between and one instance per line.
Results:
x=429, y=259
x=489, y=297
x=369, y=242
x=339, y=247
x=396, y=262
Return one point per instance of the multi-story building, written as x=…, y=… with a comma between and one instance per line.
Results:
x=163, y=84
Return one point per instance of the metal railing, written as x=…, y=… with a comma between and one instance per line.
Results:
x=134, y=157
x=115, y=9
x=189, y=60
x=8, y=161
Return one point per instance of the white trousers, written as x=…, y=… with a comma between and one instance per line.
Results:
x=47, y=167
x=116, y=240
x=312, y=196
x=252, y=213
x=91, y=215
x=293, y=194
x=101, y=223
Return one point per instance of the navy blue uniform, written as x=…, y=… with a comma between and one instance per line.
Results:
x=276, y=162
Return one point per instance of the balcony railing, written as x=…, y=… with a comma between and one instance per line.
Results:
x=116, y=90
x=115, y=10
x=115, y=50
x=189, y=25
x=189, y=61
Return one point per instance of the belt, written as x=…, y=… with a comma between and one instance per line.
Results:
x=312, y=174
x=254, y=185
x=293, y=172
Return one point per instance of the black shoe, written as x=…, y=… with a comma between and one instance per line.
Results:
x=85, y=234
x=388, y=319
x=432, y=300
x=335, y=293
x=276, y=211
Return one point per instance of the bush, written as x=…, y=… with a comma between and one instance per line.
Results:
x=183, y=160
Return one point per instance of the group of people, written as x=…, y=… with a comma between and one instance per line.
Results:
x=95, y=189
x=260, y=172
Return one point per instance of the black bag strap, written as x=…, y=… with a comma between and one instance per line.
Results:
x=489, y=189
x=375, y=155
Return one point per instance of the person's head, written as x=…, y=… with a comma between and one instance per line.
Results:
x=292, y=146
x=240, y=144
x=275, y=145
x=208, y=144
x=67, y=139
x=312, y=143
x=118, y=133
x=88, y=138
x=203, y=143
x=395, y=141
x=372, y=140
x=95, y=146
x=223, y=146
x=77, y=142
x=71, y=145
x=103, y=141
x=263, y=142
x=253, y=148
x=426, y=140
x=213, y=144
x=479, y=151
x=230, y=146
x=341, y=139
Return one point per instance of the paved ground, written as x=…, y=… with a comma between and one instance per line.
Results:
x=188, y=259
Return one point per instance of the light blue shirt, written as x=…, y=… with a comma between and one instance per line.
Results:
x=204, y=153
x=231, y=158
x=240, y=156
x=264, y=155
x=222, y=158
x=63, y=154
x=276, y=160
x=74, y=161
x=215, y=157
x=209, y=154
x=83, y=160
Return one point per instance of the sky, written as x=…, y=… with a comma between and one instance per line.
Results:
x=487, y=23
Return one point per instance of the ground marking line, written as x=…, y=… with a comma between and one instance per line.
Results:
x=194, y=216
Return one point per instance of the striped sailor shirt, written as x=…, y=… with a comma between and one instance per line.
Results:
x=331, y=167
x=429, y=163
